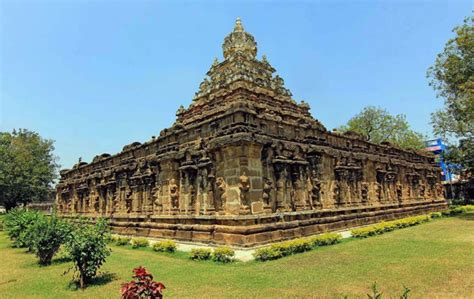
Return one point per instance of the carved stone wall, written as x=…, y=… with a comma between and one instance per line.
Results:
x=245, y=165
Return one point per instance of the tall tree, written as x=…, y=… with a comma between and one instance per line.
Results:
x=27, y=167
x=377, y=125
x=452, y=76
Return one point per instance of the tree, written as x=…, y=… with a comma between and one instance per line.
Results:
x=377, y=125
x=27, y=167
x=452, y=76
x=87, y=246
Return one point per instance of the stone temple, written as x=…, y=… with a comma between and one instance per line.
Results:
x=246, y=165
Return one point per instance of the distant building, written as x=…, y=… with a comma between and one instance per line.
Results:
x=437, y=147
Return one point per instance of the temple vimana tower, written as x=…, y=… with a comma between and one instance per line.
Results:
x=245, y=165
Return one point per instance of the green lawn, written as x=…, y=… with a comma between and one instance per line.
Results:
x=435, y=260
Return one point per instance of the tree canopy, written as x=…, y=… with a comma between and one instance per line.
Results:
x=27, y=167
x=452, y=76
x=378, y=125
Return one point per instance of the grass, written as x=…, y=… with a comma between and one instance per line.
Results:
x=435, y=260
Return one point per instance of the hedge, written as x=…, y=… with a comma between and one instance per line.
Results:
x=384, y=227
x=279, y=250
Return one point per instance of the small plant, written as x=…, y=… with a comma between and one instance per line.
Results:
x=223, y=255
x=122, y=241
x=165, y=246
x=376, y=294
x=201, y=254
x=326, y=239
x=142, y=287
x=436, y=215
x=87, y=246
x=406, y=291
x=139, y=242
x=47, y=236
x=267, y=254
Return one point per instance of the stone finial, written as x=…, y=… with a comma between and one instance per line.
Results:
x=238, y=25
x=239, y=41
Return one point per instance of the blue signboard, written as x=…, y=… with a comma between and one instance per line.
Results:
x=437, y=147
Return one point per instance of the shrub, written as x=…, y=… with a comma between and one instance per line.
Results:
x=122, y=241
x=139, y=242
x=278, y=250
x=17, y=224
x=223, y=255
x=456, y=210
x=165, y=246
x=87, y=246
x=201, y=254
x=142, y=287
x=267, y=253
x=383, y=227
x=325, y=240
x=436, y=215
x=48, y=233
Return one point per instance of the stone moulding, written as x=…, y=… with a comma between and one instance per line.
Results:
x=245, y=165
x=256, y=230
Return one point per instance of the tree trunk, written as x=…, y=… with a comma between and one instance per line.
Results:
x=81, y=281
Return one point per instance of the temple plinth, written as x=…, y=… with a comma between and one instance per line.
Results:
x=245, y=165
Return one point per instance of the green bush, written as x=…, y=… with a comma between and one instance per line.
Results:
x=268, y=253
x=436, y=215
x=325, y=240
x=87, y=246
x=165, y=246
x=456, y=210
x=383, y=227
x=122, y=240
x=18, y=223
x=48, y=233
x=223, y=255
x=278, y=250
x=139, y=242
x=200, y=254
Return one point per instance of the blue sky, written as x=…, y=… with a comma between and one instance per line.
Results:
x=97, y=75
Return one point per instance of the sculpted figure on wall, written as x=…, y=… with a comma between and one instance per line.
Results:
x=400, y=192
x=174, y=194
x=157, y=196
x=244, y=186
x=222, y=187
x=203, y=191
x=267, y=189
x=364, y=193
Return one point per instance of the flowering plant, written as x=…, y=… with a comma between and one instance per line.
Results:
x=142, y=287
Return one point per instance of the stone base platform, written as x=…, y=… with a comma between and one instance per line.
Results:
x=257, y=230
